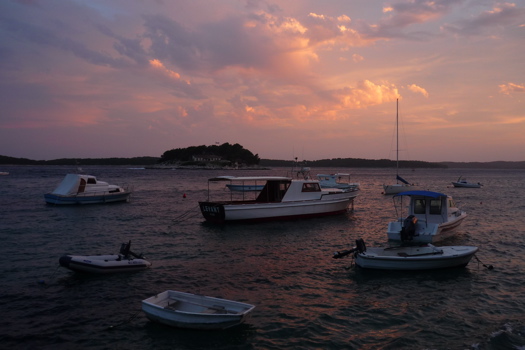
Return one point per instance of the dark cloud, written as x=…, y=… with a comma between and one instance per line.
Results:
x=213, y=46
x=401, y=15
x=171, y=41
x=502, y=15
x=56, y=34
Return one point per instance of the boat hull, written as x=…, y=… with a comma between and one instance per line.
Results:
x=466, y=185
x=398, y=188
x=412, y=259
x=191, y=311
x=102, y=264
x=107, y=197
x=223, y=212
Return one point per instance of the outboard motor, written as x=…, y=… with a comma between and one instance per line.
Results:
x=409, y=228
x=360, y=245
x=125, y=249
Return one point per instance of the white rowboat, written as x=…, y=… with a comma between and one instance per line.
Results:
x=185, y=310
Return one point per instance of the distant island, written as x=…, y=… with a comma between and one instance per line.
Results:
x=237, y=157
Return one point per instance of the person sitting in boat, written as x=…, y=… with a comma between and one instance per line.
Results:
x=409, y=228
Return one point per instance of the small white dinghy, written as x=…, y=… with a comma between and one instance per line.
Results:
x=462, y=182
x=424, y=257
x=185, y=310
x=125, y=261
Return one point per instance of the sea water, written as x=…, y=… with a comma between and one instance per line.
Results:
x=304, y=299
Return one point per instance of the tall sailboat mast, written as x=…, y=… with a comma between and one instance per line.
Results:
x=397, y=139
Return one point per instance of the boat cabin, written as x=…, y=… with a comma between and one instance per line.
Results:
x=429, y=207
x=74, y=184
x=277, y=189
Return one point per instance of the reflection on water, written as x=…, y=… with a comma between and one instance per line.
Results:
x=304, y=298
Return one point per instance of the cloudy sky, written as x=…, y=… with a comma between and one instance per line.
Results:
x=284, y=78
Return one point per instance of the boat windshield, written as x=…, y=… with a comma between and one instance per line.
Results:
x=311, y=187
x=435, y=206
x=419, y=206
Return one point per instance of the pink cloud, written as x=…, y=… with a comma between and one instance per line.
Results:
x=510, y=88
x=418, y=89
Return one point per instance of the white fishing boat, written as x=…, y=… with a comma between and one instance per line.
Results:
x=431, y=217
x=462, y=182
x=401, y=184
x=185, y=310
x=281, y=198
x=339, y=180
x=424, y=257
x=86, y=189
x=125, y=261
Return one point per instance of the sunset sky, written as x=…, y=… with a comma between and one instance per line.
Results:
x=284, y=78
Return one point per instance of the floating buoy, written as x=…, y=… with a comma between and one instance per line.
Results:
x=184, y=195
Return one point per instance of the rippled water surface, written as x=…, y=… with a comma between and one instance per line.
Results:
x=304, y=299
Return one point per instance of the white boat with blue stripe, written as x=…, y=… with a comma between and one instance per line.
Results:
x=86, y=189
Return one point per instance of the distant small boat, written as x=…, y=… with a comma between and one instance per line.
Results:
x=424, y=257
x=4, y=173
x=248, y=185
x=125, y=261
x=86, y=189
x=402, y=186
x=192, y=311
x=462, y=182
x=339, y=180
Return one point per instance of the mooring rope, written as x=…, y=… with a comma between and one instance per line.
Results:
x=186, y=215
x=43, y=281
x=490, y=267
x=131, y=318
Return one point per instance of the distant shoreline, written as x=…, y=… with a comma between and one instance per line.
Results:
x=152, y=163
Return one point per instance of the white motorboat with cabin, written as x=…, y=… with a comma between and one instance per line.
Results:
x=339, y=180
x=431, y=217
x=462, y=182
x=192, y=311
x=281, y=198
x=401, y=184
x=422, y=257
x=86, y=189
x=125, y=261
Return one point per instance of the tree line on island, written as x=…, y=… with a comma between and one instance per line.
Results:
x=228, y=155
x=225, y=154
